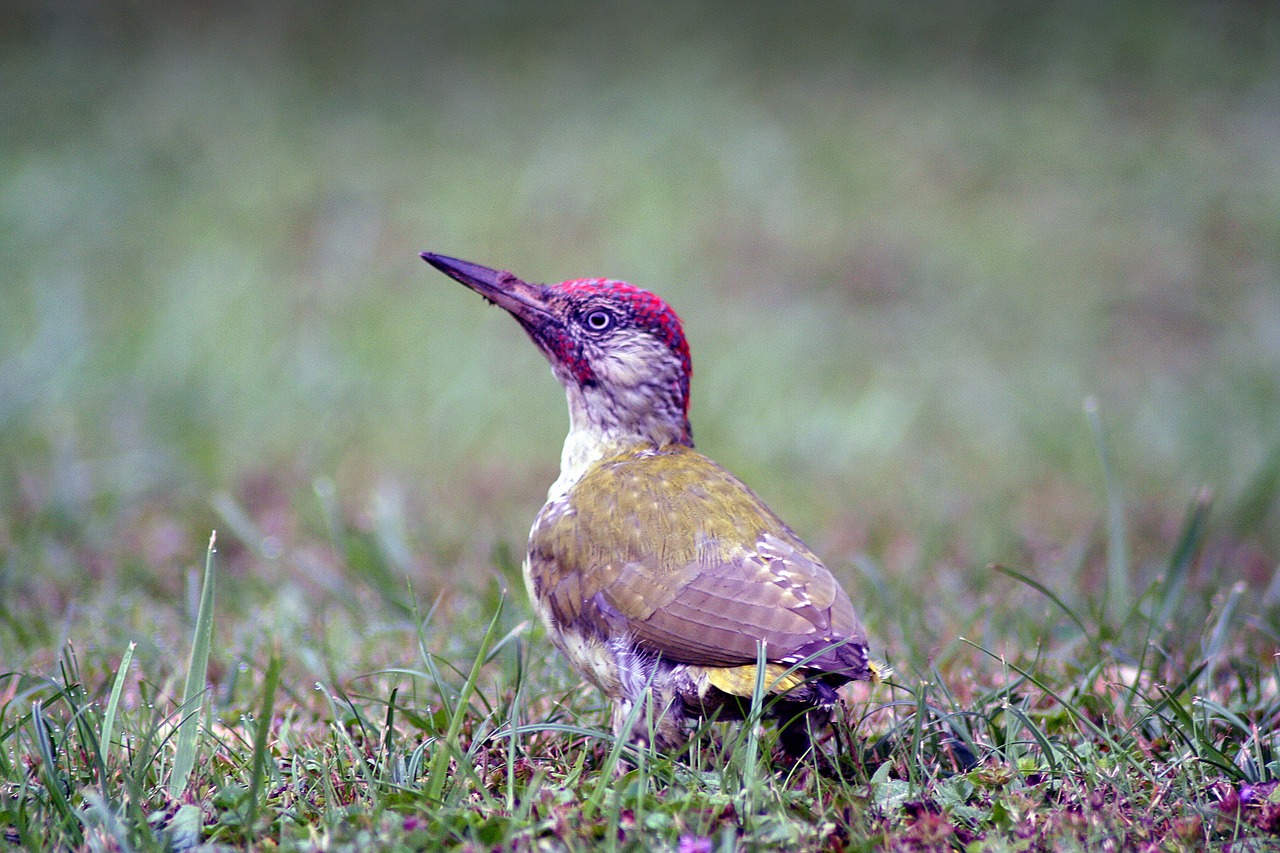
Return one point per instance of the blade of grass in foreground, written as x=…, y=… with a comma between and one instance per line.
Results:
x=751, y=728
x=109, y=718
x=55, y=783
x=449, y=747
x=259, y=771
x=193, y=691
x=612, y=766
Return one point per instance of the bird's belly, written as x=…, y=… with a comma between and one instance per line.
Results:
x=590, y=656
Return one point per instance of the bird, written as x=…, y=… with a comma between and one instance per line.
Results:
x=661, y=577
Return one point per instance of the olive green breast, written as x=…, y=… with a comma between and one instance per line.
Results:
x=664, y=545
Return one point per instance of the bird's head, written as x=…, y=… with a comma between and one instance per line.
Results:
x=619, y=351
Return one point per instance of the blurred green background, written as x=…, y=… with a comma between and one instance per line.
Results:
x=907, y=241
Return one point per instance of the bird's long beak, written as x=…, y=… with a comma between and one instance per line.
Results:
x=525, y=301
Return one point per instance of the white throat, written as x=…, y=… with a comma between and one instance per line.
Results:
x=598, y=431
x=581, y=451
x=590, y=439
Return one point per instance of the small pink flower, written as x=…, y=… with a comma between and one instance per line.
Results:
x=694, y=844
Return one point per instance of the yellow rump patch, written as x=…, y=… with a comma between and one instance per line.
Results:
x=741, y=680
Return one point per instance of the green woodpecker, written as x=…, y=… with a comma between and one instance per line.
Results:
x=658, y=574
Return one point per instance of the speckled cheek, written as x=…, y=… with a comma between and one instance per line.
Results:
x=566, y=353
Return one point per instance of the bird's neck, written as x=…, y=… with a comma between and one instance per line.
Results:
x=598, y=431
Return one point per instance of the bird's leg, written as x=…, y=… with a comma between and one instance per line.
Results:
x=650, y=710
x=653, y=717
x=801, y=725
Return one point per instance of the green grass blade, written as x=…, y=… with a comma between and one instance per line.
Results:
x=1042, y=740
x=193, y=691
x=1168, y=699
x=113, y=703
x=55, y=784
x=751, y=730
x=449, y=746
x=270, y=684
x=1118, y=582
x=1218, y=635
x=514, y=712
x=643, y=706
x=1043, y=590
x=386, y=742
x=73, y=694
x=1182, y=558
x=918, y=720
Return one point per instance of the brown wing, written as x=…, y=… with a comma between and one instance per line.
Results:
x=673, y=550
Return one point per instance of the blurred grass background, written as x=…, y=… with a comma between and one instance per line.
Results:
x=907, y=242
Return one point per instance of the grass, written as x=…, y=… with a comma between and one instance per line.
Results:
x=906, y=245
x=1129, y=732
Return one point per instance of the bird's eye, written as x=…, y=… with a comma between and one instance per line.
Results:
x=598, y=320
